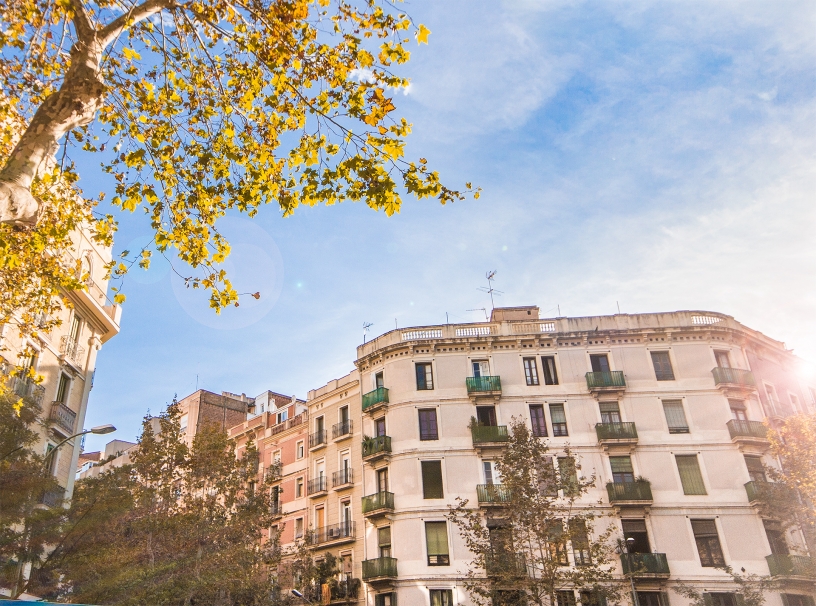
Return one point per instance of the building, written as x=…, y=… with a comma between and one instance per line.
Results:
x=665, y=408
x=65, y=358
x=335, y=486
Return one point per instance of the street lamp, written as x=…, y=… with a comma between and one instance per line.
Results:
x=99, y=430
x=297, y=594
x=624, y=548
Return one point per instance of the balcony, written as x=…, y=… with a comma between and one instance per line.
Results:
x=317, y=486
x=616, y=433
x=276, y=508
x=341, y=430
x=380, y=569
x=332, y=535
x=489, y=435
x=602, y=382
x=785, y=565
x=63, y=417
x=766, y=492
x=492, y=494
x=27, y=388
x=53, y=498
x=733, y=377
x=506, y=564
x=378, y=504
x=645, y=565
x=748, y=433
x=483, y=386
x=638, y=492
x=317, y=440
x=376, y=448
x=343, y=478
x=374, y=400
x=72, y=351
x=343, y=592
x=274, y=472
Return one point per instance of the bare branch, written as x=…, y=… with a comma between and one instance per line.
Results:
x=140, y=12
x=82, y=22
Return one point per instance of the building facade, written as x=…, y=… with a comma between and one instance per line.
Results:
x=665, y=409
x=65, y=358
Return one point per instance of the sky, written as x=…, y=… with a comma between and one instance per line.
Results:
x=654, y=156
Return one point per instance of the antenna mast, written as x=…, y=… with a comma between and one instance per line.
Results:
x=366, y=326
x=491, y=275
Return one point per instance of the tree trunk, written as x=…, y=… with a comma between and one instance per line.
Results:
x=74, y=104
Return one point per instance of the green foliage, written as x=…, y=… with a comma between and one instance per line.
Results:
x=527, y=548
x=178, y=526
x=751, y=589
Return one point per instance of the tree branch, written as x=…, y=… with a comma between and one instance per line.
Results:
x=82, y=22
x=140, y=12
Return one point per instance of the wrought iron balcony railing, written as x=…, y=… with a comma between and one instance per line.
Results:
x=599, y=380
x=487, y=434
x=341, y=429
x=492, y=493
x=378, y=501
x=317, y=485
x=72, y=350
x=379, y=568
x=733, y=376
x=63, y=417
x=646, y=564
x=343, y=477
x=791, y=565
x=376, y=446
x=483, y=384
x=54, y=497
x=334, y=532
x=318, y=438
x=639, y=490
x=747, y=429
x=373, y=398
x=616, y=431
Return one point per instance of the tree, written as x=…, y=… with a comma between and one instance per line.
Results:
x=751, y=589
x=27, y=527
x=200, y=107
x=179, y=526
x=543, y=538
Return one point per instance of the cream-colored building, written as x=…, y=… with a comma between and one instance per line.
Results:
x=335, y=487
x=65, y=358
x=666, y=409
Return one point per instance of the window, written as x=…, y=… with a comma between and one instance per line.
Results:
x=62, y=388
x=283, y=415
x=379, y=427
x=795, y=599
x=298, y=528
x=432, y=480
x=436, y=538
x=558, y=418
x=424, y=376
x=382, y=480
x=299, y=450
x=662, y=366
x=569, y=476
x=490, y=474
x=723, y=359
x=548, y=365
x=486, y=415
x=385, y=599
x=756, y=471
x=636, y=530
x=547, y=480
x=675, y=416
x=599, y=362
x=776, y=537
x=76, y=329
x=343, y=414
x=298, y=488
x=622, y=471
x=708, y=543
x=530, y=371
x=565, y=598
x=580, y=542
x=427, y=424
x=653, y=598
x=538, y=421
x=441, y=597
x=379, y=380
x=738, y=410
x=794, y=400
x=481, y=368
x=610, y=412
x=690, y=475
x=557, y=543
x=384, y=541
x=183, y=424
x=720, y=599
x=773, y=401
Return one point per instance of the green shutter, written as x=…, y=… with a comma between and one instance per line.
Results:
x=675, y=416
x=436, y=536
x=690, y=474
x=384, y=536
x=432, y=480
x=621, y=464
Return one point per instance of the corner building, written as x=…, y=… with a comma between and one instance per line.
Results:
x=666, y=409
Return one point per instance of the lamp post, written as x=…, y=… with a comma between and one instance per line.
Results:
x=100, y=430
x=624, y=549
x=20, y=581
x=297, y=594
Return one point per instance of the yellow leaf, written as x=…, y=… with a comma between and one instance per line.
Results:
x=131, y=54
x=422, y=34
x=119, y=298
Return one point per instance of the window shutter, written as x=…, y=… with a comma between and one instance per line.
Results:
x=690, y=475
x=609, y=407
x=384, y=536
x=621, y=464
x=436, y=535
x=675, y=416
x=432, y=480
x=557, y=414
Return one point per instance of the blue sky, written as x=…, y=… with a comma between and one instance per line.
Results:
x=659, y=155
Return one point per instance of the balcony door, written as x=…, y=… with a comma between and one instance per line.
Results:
x=382, y=480
x=320, y=471
x=481, y=368
x=610, y=412
x=723, y=359
x=486, y=415
x=379, y=427
x=636, y=531
x=600, y=362
x=379, y=380
x=345, y=515
x=320, y=518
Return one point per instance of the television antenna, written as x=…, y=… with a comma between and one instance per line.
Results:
x=366, y=326
x=491, y=275
x=480, y=309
